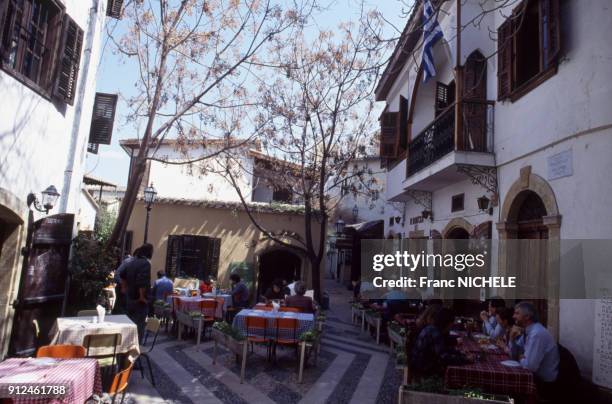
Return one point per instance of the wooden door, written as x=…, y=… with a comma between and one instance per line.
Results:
x=43, y=282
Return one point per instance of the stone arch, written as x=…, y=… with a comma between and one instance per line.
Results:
x=526, y=184
x=268, y=248
x=457, y=222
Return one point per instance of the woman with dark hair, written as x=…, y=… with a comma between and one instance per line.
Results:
x=431, y=352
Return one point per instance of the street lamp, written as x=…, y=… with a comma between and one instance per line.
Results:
x=149, y=198
x=339, y=226
x=49, y=197
x=355, y=213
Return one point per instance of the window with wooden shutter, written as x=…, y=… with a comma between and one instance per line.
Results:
x=389, y=132
x=173, y=255
x=403, y=125
x=504, y=59
x=92, y=148
x=114, y=8
x=445, y=96
x=551, y=27
x=102, y=119
x=69, y=61
x=529, y=45
x=29, y=35
x=213, y=254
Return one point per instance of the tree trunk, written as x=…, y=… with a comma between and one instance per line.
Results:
x=139, y=166
x=315, y=271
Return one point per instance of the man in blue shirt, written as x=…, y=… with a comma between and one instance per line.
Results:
x=240, y=292
x=163, y=286
x=540, y=351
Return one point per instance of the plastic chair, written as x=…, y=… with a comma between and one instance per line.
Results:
x=120, y=382
x=152, y=328
x=286, y=333
x=257, y=332
x=61, y=351
x=87, y=313
x=290, y=309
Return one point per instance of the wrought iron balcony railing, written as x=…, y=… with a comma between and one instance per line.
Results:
x=438, y=138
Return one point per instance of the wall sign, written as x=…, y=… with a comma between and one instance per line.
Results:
x=560, y=165
x=602, y=350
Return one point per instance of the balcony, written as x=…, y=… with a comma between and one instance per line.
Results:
x=434, y=155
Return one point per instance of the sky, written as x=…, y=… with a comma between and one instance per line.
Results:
x=114, y=76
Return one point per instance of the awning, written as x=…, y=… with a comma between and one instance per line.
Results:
x=373, y=226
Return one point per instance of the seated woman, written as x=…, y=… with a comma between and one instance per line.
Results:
x=205, y=285
x=431, y=353
x=505, y=322
x=304, y=303
x=489, y=322
x=274, y=292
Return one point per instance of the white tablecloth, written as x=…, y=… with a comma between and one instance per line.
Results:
x=72, y=331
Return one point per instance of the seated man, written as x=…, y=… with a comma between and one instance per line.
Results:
x=274, y=292
x=240, y=292
x=163, y=286
x=431, y=352
x=540, y=352
x=304, y=303
x=489, y=320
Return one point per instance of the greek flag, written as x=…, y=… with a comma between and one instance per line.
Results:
x=431, y=34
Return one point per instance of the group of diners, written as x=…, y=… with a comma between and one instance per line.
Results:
x=289, y=295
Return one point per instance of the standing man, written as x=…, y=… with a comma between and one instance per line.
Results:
x=136, y=280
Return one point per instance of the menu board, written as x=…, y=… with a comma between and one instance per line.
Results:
x=602, y=353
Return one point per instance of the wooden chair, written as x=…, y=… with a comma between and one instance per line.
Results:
x=256, y=329
x=61, y=351
x=290, y=309
x=119, y=384
x=152, y=328
x=87, y=313
x=209, y=312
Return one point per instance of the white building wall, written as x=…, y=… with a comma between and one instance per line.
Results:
x=568, y=111
x=36, y=142
x=190, y=182
x=88, y=211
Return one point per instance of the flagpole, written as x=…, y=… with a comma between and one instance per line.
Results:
x=458, y=81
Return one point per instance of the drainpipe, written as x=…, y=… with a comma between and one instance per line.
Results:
x=74, y=151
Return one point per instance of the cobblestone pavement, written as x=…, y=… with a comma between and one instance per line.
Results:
x=350, y=369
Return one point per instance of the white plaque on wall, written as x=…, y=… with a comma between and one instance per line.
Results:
x=602, y=347
x=560, y=165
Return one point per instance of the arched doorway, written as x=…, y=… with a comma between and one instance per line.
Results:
x=282, y=264
x=530, y=213
x=458, y=233
x=532, y=256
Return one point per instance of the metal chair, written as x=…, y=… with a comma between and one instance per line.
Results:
x=256, y=330
x=152, y=328
x=209, y=311
x=61, y=351
x=120, y=381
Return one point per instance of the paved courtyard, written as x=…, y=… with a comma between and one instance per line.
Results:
x=350, y=369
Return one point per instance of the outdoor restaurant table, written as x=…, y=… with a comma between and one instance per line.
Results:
x=80, y=376
x=192, y=303
x=306, y=321
x=493, y=377
x=72, y=331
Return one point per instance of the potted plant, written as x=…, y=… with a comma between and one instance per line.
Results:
x=231, y=338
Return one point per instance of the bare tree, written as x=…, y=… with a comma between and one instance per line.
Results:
x=192, y=60
x=317, y=114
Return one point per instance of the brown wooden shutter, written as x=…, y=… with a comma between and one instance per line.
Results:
x=212, y=256
x=92, y=148
x=69, y=61
x=403, y=124
x=114, y=8
x=389, y=132
x=552, y=32
x=442, y=97
x=475, y=77
x=504, y=59
x=102, y=119
x=7, y=24
x=173, y=255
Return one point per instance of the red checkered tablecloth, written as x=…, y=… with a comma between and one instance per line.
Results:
x=493, y=377
x=192, y=303
x=81, y=377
